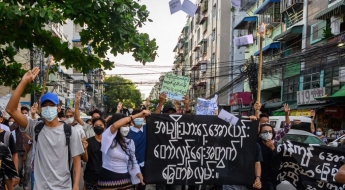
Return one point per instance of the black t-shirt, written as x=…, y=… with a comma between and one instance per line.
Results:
x=258, y=157
x=12, y=144
x=94, y=163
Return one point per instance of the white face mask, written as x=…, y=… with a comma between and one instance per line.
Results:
x=318, y=133
x=124, y=131
x=69, y=120
x=10, y=123
x=26, y=115
x=266, y=136
x=49, y=113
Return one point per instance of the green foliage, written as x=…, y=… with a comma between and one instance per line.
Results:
x=112, y=27
x=327, y=33
x=119, y=89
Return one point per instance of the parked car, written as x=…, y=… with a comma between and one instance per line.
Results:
x=303, y=137
x=298, y=136
x=278, y=122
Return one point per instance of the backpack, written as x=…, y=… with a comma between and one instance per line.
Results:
x=68, y=132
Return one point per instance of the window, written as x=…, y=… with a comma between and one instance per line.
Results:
x=214, y=11
x=290, y=88
x=311, y=81
x=331, y=79
x=316, y=31
x=214, y=34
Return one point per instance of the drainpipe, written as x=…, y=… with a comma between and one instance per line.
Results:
x=304, y=31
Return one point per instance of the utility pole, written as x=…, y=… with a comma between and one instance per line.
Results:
x=262, y=29
x=32, y=96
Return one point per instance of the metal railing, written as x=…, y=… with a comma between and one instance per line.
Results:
x=294, y=18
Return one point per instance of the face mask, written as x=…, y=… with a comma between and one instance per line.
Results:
x=10, y=123
x=69, y=120
x=49, y=113
x=318, y=133
x=124, y=131
x=98, y=130
x=266, y=136
x=138, y=121
x=26, y=115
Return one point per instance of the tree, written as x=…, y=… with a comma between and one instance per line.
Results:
x=119, y=89
x=112, y=27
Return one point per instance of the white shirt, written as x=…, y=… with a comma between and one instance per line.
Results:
x=5, y=127
x=115, y=159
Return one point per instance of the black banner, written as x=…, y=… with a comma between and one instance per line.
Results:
x=195, y=149
x=309, y=167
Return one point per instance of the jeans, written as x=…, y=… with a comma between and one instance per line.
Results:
x=32, y=180
x=25, y=177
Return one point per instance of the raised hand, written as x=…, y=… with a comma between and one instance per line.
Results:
x=162, y=98
x=185, y=100
x=286, y=108
x=84, y=142
x=119, y=106
x=78, y=96
x=147, y=102
x=33, y=108
x=145, y=113
x=312, y=113
x=257, y=105
x=30, y=75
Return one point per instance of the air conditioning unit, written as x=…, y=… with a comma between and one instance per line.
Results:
x=244, y=40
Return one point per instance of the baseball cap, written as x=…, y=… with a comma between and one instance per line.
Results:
x=168, y=107
x=51, y=97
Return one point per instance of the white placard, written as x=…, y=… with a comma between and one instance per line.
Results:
x=206, y=107
x=308, y=96
x=228, y=117
x=175, y=6
x=189, y=8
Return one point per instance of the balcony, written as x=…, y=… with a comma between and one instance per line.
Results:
x=57, y=29
x=286, y=5
x=294, y=18
x=270, y=13
x=247, y=4
x=271, y=46
x=332, y=10
x=205, y=7
x=289, y=34
x=245, y=22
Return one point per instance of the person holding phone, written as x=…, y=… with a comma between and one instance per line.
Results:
x=268, y=139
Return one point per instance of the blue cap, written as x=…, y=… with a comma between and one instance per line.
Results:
x=51, y=97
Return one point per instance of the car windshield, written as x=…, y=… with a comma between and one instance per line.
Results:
x=302, y=138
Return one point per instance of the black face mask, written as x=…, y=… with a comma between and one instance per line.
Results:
x=98, y=130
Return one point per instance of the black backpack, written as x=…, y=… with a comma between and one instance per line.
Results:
x=68, y=132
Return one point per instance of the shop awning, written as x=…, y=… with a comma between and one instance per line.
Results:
x=338, y=95
x=243, y=24
x=244, y=109
x=335, y=9
x=270, y=105
x=304, y=107
x=274, y=45
x=265, y=6
x=289, y=34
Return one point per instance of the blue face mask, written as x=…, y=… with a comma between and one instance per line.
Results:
x=49, y=113
x=138, y=121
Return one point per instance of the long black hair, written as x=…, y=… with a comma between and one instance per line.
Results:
x=119, y=138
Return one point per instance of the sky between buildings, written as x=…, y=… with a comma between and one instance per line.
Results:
x=166, y=29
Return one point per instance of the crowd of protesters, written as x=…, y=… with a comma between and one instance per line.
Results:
x=112, y=150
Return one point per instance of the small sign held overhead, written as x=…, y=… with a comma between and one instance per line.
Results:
x=189, y=8
x=175, y=6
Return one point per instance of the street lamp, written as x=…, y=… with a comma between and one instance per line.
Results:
x=261, y=33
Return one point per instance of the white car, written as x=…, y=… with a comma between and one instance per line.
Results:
x=303, y=137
